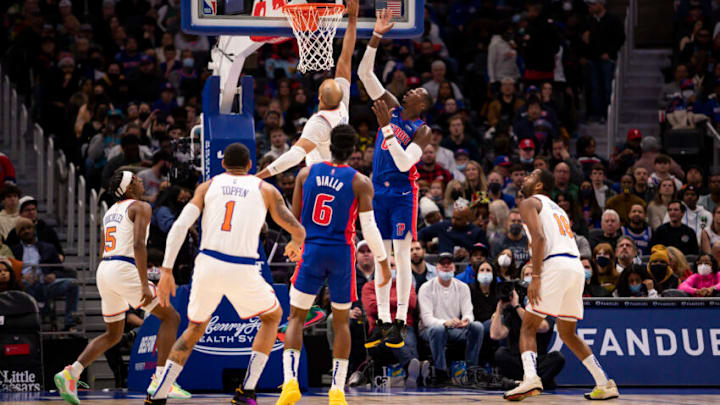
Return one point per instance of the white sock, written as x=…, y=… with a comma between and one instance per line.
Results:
x=256, y=365
x=159, y=370
x=76, y=369
x=291, y=359
x=404, y=277
x=383, y=293
x=596, y=370
x=169, y=374
x=340, y=367
x=529, y=361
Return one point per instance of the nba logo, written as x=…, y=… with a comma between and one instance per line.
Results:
x=209, y=7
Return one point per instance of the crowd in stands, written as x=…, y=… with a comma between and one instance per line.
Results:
x=119, y=87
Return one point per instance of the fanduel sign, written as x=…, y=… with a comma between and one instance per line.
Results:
x=649, y=343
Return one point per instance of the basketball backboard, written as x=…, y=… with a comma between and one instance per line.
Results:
x=260, y=18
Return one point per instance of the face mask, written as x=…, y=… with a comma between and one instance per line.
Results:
x=602, y=261
x=484, y=278
x=516, y=229
x=588, y=274
x=504, y=260
x=704, y=269
x=446, y=275
x=188, y=63
x=586, y=192
x=143, y=116
x=114, y=77
x=526, y=161
x=494, y=188
x=527, y=279
x=462, y=166
x=635, y=288
x=658, y=271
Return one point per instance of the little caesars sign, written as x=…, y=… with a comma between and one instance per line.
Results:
x=17, y=381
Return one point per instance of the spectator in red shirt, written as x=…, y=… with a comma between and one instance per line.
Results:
x=7, y=171
x=428, y=168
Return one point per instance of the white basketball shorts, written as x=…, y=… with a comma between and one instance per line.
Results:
x=119, y=285
x=242, y=284
x=561, y=287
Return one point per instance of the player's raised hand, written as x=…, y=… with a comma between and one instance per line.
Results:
x=382, y=112
x=382, y=22
x=293, y=251
x=352, y=7
x=386, y=273
x=533, y=292
x=166, y=286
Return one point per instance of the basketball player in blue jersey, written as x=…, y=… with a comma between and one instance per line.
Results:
x=328, y=198
x=398, y=147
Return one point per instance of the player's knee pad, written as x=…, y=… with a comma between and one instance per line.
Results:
x=301, y=300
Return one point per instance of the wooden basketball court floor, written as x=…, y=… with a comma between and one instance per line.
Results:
x=397, y=396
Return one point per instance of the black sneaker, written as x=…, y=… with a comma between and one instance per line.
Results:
x=244, y=397
x=441, y=379
x=377, y=334
x=150, y=401
x=394, y=337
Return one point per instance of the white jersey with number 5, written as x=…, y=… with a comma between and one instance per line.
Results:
x=559, y=238
x=119, y=230
x=233, y=216
x=317, y=128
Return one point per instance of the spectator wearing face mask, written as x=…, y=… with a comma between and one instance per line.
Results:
x=514, y=240
x=609, y=231
x=447, y=315
x=635, y=282
x=604, y=257
x=422, y=270
x=706, y=280
x=695, y=216
x=495, y=185
x=484, y=300
x=526, y=154
x=592, y=284
x=478, y=255
x=675, y=233
x=623, y=202
x=637, y=229
x=659, y=269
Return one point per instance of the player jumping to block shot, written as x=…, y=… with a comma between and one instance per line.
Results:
x=398, y=147
x=328, y=199
x=334, y=100
x=233, y=206
x=555, y=290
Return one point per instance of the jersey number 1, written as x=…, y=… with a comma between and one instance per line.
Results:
x=229, y=208
x=322, y=213
x=563, y=225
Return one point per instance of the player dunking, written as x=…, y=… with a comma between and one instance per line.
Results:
x=556, y=288
x=398, y=147
x=234, y=205
x=334, y=99
x=122, y=281
x=328, y=197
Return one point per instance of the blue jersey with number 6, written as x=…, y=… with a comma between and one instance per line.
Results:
x=329, y=206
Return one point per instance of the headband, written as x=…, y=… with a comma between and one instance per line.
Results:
x=124, y=183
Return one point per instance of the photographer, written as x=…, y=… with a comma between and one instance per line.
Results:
x=505, y=324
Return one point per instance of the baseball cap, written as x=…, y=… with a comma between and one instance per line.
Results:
x=436, y=127
x=633, y=134
x=462, y=151
x=527, y=143
x=690, y=187
x=502, y=160
x=66, y=61
x=167, y=86
x=481, y=247
x=6, y=261
x=146, y=59
x=531, y=89
x=26, y=200
x=445, y=256
x=427, y=206
x=361, y=244
x=412, y=81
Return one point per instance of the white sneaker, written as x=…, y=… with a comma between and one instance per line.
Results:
x=413, y=373
x=425, y=372
x=608, y=391
x=527, y=388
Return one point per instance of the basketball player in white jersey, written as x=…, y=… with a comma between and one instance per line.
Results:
x=122, y=281
x=556, y=288
x=334, y=100
x=233, y=206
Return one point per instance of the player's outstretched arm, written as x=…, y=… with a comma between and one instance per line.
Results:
x=404, y=158
x=363, y=189
x=298, y=192
x=296, y=154
x=283, y=217
x=529, y=209
x=366, y=70
x=140, y=212
x=344, y=63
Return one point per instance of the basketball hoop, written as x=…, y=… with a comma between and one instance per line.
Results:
x=314, y=26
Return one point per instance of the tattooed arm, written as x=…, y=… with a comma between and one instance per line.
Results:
x=281, y=214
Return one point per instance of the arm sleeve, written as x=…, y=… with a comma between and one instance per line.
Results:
x=288, y=159
x=467, y=306
x=372, y=235
x=404, y=159
x=366, y=71
x=178, y=232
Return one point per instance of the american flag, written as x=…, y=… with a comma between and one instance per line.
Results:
x=395, y=7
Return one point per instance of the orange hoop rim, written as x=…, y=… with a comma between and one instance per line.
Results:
x=331, y=7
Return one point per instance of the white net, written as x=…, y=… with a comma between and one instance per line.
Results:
x=314, y=26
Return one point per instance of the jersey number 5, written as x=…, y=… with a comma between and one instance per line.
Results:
x=322, y=213
x=563, y=225
x=110, y=239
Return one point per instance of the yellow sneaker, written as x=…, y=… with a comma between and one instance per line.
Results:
x=290, y=393
x=336, y=397
x=608, y=391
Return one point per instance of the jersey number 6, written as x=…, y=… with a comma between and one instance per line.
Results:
x=322, y=213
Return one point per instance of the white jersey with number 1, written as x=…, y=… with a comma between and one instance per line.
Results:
x=317, y=128
x=559, y=238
